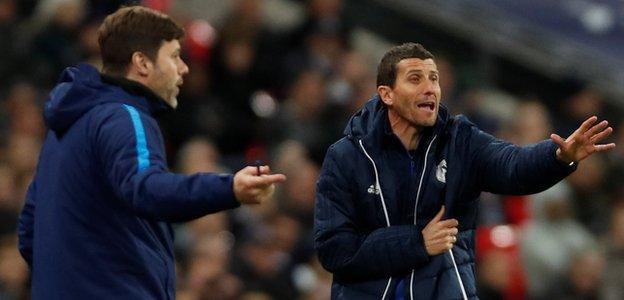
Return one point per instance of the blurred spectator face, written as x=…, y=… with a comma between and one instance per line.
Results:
x=532, y=123
x=209, y=260
x=585, y=104
x=225, y=287
x=264, y=258
x=239, y=57
x=354, y=67
x=308, y=94
x=495, y=270
x=209, y=225
x=301, y=187
x=617, y=226
x=197, y=82
x=585, y=272
x=199, y=155
x=325, y=8
x=326, y=46
x=22, y=153
x=89, y=40
x=70, y=13
x=249, y=10
x=556, y=210
x=7, y=189
x=7, y=11
x=286, y=231
x=589, y=175
x=25, y=113
x=13, y=269
x=447, y=75
x=253, y=295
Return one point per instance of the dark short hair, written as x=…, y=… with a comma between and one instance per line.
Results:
x=387, y=70
x=131, y=29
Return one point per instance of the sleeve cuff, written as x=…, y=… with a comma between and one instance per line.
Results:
x=225, y=192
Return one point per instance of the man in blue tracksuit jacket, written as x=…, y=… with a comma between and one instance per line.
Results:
x=396, y=201
x=95, y=224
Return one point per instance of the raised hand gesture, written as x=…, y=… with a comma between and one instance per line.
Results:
x=253, y=187
x=584, y=141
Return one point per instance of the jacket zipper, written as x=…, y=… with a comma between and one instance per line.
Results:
x=422, y=176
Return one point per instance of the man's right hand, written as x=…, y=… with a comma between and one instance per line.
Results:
x=440, y=235
x=253, y=188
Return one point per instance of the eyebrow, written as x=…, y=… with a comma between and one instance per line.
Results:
x=419, y=71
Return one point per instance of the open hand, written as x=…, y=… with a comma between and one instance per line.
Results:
x=253, y=188
x=440, y=235
x=583, y=142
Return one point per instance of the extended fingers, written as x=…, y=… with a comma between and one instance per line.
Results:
x=588, y=124
x=601, y=135
x=273, y=178
x=605, y=147
x=597, y=128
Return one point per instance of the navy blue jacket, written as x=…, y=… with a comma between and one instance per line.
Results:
x=374, y=198
x=95, y=224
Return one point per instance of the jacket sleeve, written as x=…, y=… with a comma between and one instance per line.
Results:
x=130, y=149
x=504, y=168
x=26, y=225
x=343, y=247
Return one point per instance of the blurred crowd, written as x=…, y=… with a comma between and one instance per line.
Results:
x=276, y=81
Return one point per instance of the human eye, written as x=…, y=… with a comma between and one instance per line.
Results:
x=434, y=77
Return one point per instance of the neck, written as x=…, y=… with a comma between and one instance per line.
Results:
x=407, y=133
x=135, y=77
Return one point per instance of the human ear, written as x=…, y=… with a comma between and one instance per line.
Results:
x=386, y=95
x=141, y=63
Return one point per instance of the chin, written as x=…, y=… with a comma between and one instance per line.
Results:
x=173, y=102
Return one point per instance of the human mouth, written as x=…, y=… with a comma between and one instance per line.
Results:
x=427, y=105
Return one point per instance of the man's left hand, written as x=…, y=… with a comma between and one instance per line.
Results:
x=583, y=142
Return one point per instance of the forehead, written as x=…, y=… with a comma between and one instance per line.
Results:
x=169, y=46
x=416, y=64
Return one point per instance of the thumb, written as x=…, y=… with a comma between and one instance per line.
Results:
x=558, y=140
x=439, y=215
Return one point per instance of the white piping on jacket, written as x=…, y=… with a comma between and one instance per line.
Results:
x=459, y=280
x=383, y=203
x=422, y=176
x=461, y=284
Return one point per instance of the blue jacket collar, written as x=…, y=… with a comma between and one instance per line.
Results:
x=371, y=124
x=82, y=87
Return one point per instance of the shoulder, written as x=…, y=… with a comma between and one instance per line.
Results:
x=462, y=122
x=463, y=128
x=341, y=150
x=119, y=113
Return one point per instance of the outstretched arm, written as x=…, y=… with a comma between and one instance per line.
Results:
x=130, y=149
x=504, y=168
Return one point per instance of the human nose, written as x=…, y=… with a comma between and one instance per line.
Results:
x=430, y=87
x=183, y=69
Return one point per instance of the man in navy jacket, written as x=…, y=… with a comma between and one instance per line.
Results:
x=95, y=224
x=397, y=196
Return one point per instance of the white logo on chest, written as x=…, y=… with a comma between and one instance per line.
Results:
x=373, y=190
x=441, y=171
